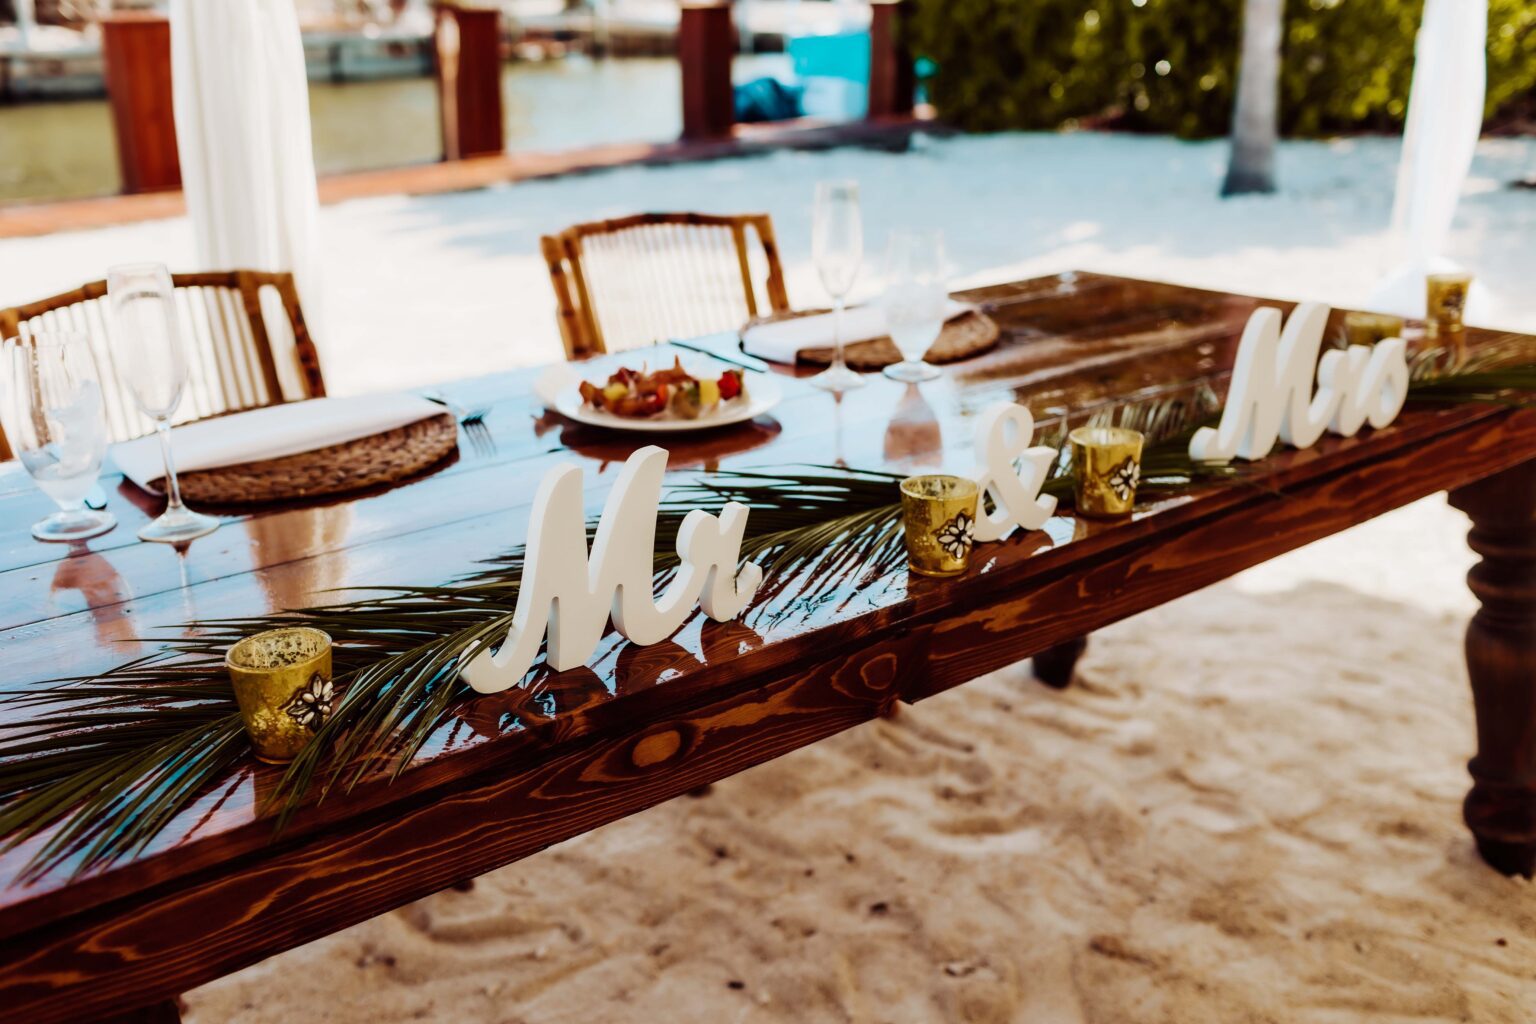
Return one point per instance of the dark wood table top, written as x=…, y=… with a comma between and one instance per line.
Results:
x=518, y=771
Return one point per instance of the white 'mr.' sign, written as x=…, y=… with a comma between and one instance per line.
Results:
x=571, y=594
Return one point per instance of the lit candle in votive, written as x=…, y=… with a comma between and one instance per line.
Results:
x=1445, y=304
x=282, y=681
x=1106, y=465
x=939, y=516
x=1369, y=328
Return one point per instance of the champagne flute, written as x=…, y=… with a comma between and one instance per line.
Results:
x=837, y=244
x=154, y=366
x=915, y=301
x=58, y=428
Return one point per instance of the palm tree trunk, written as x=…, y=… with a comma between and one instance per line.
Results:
x=1256, y=116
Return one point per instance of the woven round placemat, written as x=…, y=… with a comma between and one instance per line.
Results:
x=966, y=335
x=352, y=466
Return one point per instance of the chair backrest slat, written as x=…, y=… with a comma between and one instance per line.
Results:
x=232, y=358
x=651, y=277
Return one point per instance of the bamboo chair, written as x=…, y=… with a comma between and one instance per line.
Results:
x=652, y=277
x=233, y=361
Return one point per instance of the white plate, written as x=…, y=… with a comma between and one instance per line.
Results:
x=557, y=389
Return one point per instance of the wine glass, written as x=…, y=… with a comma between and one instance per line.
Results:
x=154, y=366
x=915, y=300
x=58, y=428
x=837, y=244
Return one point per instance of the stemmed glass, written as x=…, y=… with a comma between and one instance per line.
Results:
x=154, y=366
x=837, y=244
x=58, y=428
x=915, y=300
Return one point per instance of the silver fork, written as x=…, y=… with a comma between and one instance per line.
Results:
x=472, y=421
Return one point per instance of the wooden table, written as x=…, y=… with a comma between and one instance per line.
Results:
x=525, y=769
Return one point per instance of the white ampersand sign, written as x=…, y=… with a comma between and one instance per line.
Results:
x=1003, y=434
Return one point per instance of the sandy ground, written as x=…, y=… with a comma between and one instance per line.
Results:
x=1246, y=809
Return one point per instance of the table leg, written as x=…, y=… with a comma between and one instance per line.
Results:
x=1054, y=665
x=1501, y=661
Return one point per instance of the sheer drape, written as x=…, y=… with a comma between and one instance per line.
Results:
x=242, y=124
x=1445, y=117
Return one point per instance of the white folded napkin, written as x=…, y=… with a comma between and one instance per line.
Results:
x=783, y=340
x=270, y=433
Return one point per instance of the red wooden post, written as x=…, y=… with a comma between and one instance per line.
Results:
x=469, y=81
x=706, y=41
x=136, y=49
x=892, y=79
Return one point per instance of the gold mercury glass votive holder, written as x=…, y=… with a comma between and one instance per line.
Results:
x=1369, y=328
x=282, y=681
x=939, y=515
x=1445, y=304
x=1106, y=463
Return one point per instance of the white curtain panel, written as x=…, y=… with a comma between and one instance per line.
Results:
x=1445, y=117
x=26, y=18
x=242, y=125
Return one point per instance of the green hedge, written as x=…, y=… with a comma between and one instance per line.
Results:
x=1170, y=65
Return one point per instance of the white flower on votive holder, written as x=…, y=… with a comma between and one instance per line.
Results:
x=311, y=706
x=956, y=536
x=1125, y=478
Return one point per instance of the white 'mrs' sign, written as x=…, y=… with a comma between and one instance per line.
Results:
x=1273, y=397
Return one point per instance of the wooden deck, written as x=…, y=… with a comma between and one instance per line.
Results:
x=30, y=220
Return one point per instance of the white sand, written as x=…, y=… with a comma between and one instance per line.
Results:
x=1247, y=809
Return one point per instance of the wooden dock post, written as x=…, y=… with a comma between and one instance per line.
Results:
x=136, y=49
x=892, y=78
x=706, y=41
x=468, y=44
